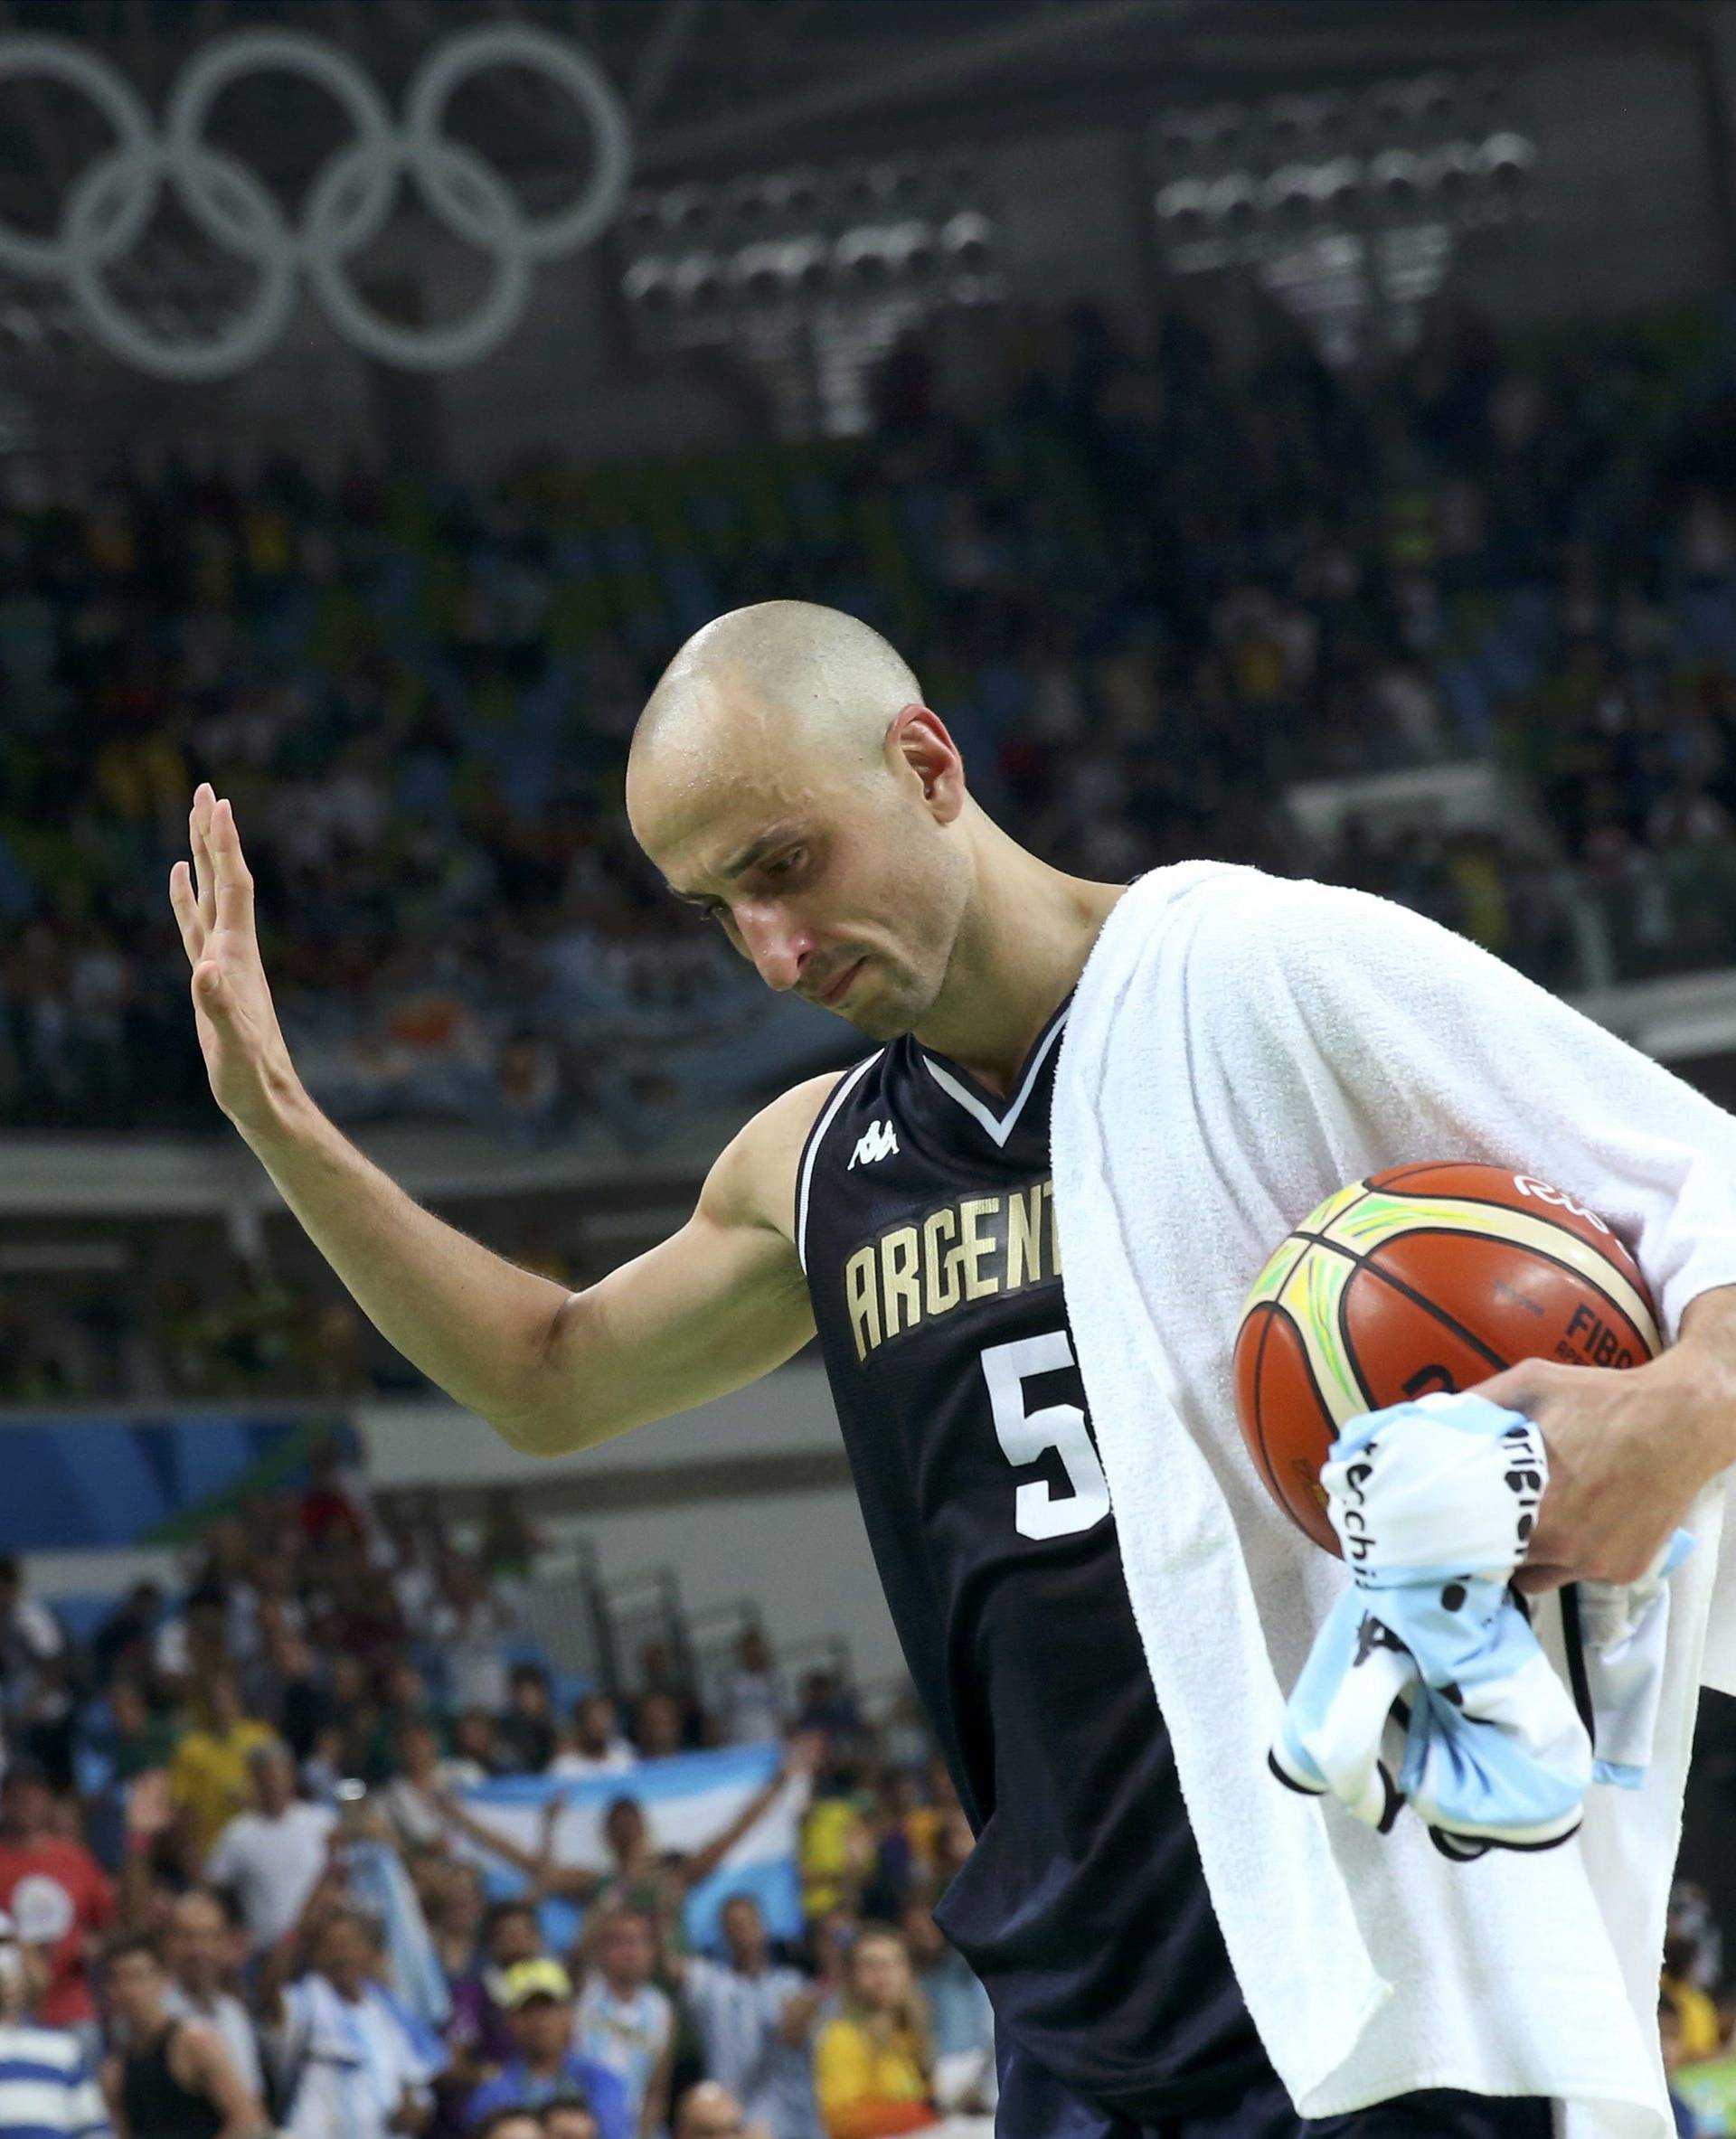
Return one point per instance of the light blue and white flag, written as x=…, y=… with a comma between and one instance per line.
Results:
x=687, y=1800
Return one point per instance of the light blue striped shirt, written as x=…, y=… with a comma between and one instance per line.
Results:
x=737, y=2018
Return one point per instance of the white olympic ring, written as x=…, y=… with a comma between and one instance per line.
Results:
x=347, y=202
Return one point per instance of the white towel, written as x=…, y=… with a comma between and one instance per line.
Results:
x=1239, y=1047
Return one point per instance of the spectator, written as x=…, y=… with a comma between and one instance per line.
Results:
x=333, y=1508
x=1696, y=1936
x=511, y=2123
x=526, y=1731
x=477, y=1751
x=594, y=1746
x=296, y=1699
x=908, y=1836
x=471, y=1626
x=874, y=2065
x=123, y=1641
x=658, y=1674
x=346, y=2059
x=510, y=1542
x=837, y=1847
x=44, y=1723
x=538, y=2000
x=173, y=2079
x=29, y=1635
x=960, y=2017
x=141, y=1738
x=202, y=1950
x=658, y=1725
x=1669, y=2033
x=456, y=1906
x=478, y=2033
x=829, y=1706
x=656, y=1884
x=755, y=2024
x=210, y=1776
x=46, y=2084
x=1693, y=2008
x=411, y=1799
x=192, y=1645
x=56, y=1895
x=271, y=1858
x=756, y=1705
x=624, y=2021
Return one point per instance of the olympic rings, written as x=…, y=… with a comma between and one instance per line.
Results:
x=347, y=205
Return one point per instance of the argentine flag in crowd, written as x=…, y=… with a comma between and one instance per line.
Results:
x=687, y=1800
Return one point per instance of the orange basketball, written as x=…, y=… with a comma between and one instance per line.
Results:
x=1422, y=1278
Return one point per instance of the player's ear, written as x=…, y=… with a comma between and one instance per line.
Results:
x=918, y=747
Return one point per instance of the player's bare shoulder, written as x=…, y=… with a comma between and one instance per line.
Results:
x=753, y=1181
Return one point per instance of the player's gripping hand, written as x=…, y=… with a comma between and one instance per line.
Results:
x=245, y=1056
x=1630, y=1450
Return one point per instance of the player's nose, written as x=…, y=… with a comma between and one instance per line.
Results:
x=779, y=950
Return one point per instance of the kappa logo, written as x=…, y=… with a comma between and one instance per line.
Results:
x=879, y=1142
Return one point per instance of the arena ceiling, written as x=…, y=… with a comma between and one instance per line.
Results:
x=719, y=85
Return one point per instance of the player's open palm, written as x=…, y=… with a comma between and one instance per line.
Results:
x=245, y=1055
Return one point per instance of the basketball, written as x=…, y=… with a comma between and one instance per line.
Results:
x=1420, y=1278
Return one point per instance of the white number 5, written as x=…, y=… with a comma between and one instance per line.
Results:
x=1024, y=1435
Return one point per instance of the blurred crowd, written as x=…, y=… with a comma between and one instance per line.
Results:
x=1697, y=2012
x=172, y=1313
x=1147, y=587
x=246, y=1886
x=241, y=1889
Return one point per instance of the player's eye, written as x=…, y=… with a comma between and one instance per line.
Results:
x=786, y=864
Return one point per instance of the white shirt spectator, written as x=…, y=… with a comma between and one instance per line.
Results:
x=46, y=2085
x=738, y=2017
x=272, y=1865
x=169, y=1653
x=230, y=2018
x=617, y=1761
x=413, y=1812
x=29, y=1634
x=629, y=2035
x=473, y=1638
x=344, y=2067
x=755, y=1708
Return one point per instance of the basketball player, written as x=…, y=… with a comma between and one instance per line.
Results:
x=787, y=778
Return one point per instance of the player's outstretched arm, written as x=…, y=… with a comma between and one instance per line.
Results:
x=719, y=1303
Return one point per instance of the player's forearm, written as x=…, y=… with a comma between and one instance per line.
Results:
x=475, y=1324
x=1703, y=1360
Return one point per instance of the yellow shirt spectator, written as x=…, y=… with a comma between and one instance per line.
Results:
x=874, y=2065
x=210, y=1777
x=1698, y=2016
x=868, y=2088
x=836, y=1853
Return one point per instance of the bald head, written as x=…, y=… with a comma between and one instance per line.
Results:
x=779, y=677
x=787, y=778
x=708, y=2110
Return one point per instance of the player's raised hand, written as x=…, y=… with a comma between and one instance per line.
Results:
x=245, y=1056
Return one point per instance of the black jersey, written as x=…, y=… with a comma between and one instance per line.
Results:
x=925, y=1221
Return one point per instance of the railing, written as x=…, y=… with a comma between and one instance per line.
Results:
x=829, y=1653
x=1578, y=930
x=713, y=1634
x=1661, y=913
x=644, y=1608
x=564, y=1612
